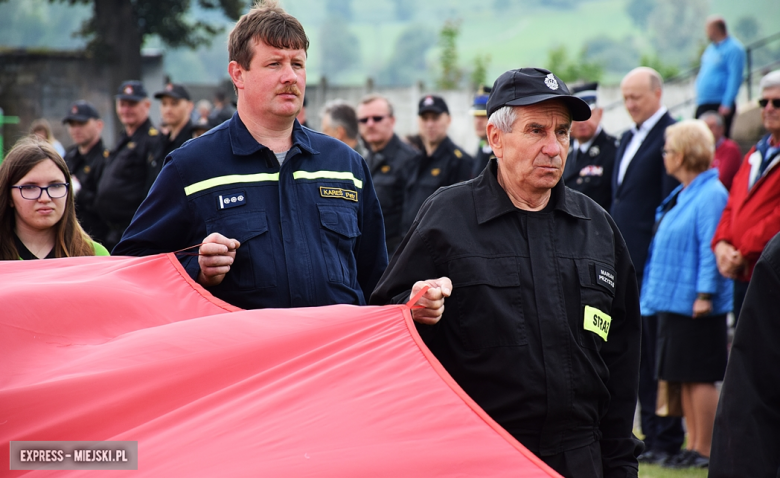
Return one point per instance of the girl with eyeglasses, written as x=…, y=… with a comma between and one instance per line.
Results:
x=37, y=209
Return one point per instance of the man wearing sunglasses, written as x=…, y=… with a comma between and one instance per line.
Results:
x=752, y=214
x=388, y=160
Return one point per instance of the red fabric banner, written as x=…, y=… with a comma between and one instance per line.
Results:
x=118, y=348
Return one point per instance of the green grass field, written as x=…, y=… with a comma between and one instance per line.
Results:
x=653, y=471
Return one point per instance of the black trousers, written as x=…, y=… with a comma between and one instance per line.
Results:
x=661, y=433
x=726, y=120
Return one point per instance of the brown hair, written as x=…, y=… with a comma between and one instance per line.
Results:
x=375, y=97
x=269, y=23
x=70, y=240
x=694, y=140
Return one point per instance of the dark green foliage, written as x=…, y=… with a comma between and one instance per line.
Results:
x=450, y=74
x=407, y=64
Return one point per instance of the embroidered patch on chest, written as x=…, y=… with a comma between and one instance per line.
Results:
x=597, y=322
x=605, y=278
x=226, y=201
x=338, y=193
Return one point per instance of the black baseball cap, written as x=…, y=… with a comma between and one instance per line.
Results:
x=529, y=86
x=587, y=92
x=432, y=103
x=132, y=90
x=81, y=111
x=174, y=90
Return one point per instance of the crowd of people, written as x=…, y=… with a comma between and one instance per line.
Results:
x=579, y=269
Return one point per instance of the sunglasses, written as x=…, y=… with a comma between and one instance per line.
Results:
x=376, y=119
x=765, y=101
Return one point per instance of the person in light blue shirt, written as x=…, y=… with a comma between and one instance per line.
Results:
x=720, y=74
x=683, y=288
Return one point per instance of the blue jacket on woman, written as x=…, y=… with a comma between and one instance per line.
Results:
x=680, y=263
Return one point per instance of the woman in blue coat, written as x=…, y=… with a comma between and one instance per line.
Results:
x=683, y=287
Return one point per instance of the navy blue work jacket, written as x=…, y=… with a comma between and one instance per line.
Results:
x=311, y=232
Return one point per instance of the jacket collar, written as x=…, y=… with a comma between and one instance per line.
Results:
x=244, y=144
x=491, y=200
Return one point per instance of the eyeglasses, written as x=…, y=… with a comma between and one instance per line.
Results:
x=376, y=119
x=765, y=101
x=666, y=152
x=33, y=193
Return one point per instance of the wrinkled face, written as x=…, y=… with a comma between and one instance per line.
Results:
x=672, y=158
x=769, y=114
x=132, y=114
x=480, y=125
x=175, y=111
x=640, y=99
x=375, y=123
x=274, y=84
x=44, y=212
x=583, y=131
x=712, y=124
x=433, y=126
x=531, y=157
x=84, y=133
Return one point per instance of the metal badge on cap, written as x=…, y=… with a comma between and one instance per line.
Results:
x=550, y=82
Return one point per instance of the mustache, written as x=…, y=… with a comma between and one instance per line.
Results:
x=292, y=89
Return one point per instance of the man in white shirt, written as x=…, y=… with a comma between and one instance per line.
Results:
x=639, y=185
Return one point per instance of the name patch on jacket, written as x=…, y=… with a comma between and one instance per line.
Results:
x=338, y=193
x=226, y=201
x=597, y=322
x=605, y=277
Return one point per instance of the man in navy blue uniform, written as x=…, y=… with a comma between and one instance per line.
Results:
x=286, y=216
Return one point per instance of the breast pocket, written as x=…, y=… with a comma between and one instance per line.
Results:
x=338, y=235
x=254, y=267
x=485, y=303
x=597, y=289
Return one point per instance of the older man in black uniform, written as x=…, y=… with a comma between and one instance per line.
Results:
x=442, y=162
x=592, y=153
x=542, y=321
x=128, y=172
x=176, y=109
x=389, y=160
x=85, y=161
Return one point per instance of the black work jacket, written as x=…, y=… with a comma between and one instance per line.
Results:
x=518, y=331
x=591, y=172
x=87, y=169
x=125, y=180
x=446, y=166
x=389, y=168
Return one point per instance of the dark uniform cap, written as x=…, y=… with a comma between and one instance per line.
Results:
x=173, y=90
x=432, y=103
x=132, y=90
x=529, y=86
x=479, y=107
x=587, y=93
x=81, y=111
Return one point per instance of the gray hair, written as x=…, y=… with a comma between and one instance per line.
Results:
x=342, y=114
x=374, y=97
x=712, y=114
x=503, y=118
x=770, y=80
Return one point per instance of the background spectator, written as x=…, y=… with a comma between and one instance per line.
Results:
x=42, y=129
x=720, y=74
x=728, y=157
x=683, y=288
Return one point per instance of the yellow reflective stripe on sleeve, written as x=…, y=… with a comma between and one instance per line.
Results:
x=230, y=179
x=597, y=322
x=329, y=175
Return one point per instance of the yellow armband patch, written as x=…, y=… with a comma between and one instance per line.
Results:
x=597, y=322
